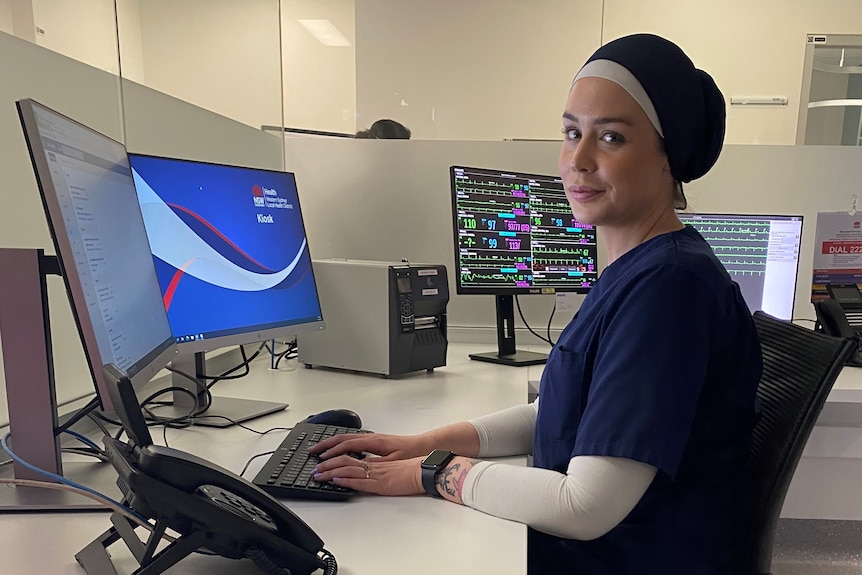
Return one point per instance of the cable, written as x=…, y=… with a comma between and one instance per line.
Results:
x=331, y=564
x=289, y=353
x=548, y=340
x=102, y=417
x=180, y=421
x=84, y=451
x=550, y=318
x=98, y=422
x=205, y=388
x=245, y=364
x=252, y=458
x=59, y=478
x=92, y=405
x=238, y=424
x=83, y=439
x=107, y=502
x=264, y=563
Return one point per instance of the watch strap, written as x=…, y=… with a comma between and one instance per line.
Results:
x=429, y=482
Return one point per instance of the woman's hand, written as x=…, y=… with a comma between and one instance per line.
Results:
x=372, y=475
x=387, y=447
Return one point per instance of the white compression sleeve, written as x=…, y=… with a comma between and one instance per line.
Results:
x=508, y=431
x=595, y=494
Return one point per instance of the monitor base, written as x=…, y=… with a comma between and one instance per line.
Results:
x=225, y=411
x=517, y=359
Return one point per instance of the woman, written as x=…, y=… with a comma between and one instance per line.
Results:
x=647, y=402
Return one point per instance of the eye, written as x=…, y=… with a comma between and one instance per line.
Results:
x=613, y=138
x=571, y=133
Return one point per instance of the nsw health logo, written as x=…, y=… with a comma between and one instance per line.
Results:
x=268, y=198
x=257, y=196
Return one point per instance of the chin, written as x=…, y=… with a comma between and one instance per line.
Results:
x=582, y=215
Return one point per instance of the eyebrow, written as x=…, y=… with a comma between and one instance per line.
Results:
x=601, y=120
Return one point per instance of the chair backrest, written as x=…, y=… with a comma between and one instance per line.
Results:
x=799, y=368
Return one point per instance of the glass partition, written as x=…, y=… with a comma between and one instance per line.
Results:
x=448, y=70
x=832, y=91
x=201, y=77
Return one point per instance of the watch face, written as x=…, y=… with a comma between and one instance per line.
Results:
x=437, y=458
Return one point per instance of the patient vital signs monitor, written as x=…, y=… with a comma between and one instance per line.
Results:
x=515, y=234
x=760, y=252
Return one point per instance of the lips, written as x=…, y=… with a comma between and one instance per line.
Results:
x=583, y=193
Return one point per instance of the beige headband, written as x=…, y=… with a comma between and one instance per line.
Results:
x=618, y=74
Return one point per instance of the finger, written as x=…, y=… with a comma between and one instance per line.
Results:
x=341, y=461
x=356, y=445
x=328, y=443
x=362, y=484
x=349, y=471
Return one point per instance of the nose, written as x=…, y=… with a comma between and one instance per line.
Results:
x=580, y=155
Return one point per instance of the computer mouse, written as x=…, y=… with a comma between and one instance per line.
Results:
x=339, y=417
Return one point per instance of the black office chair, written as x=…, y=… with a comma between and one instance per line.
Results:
x=799, y=368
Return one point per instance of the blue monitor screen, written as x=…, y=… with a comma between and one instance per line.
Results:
x=230, y=250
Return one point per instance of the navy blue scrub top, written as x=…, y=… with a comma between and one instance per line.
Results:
x=660, y=365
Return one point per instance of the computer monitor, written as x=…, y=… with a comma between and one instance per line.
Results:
x=88, y=193
x=102, y=253
x=760, y=252
x=515, y=234
x=232, y=260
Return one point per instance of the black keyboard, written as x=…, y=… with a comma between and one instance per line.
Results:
x=287, y=472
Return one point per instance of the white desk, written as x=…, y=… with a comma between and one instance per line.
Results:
x=826, y=482
x=367, y=534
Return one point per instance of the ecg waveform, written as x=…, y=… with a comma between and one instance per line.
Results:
x=518, y=231
x=741, y=247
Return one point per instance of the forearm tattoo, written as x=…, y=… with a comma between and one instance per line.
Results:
x=451, y=479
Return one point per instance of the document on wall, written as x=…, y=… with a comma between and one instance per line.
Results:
x=837, y=251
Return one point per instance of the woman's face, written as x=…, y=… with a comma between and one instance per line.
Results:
x=614, y=170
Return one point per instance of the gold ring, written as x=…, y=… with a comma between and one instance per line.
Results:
x=367, y=471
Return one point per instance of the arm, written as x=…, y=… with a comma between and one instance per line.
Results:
x=506, y=432
x=593, y=497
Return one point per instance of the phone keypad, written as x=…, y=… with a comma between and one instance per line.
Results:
x=237, y=505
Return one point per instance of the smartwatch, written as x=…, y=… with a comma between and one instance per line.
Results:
x=431, y=465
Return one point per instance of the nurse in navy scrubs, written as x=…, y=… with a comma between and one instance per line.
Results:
x=647, y=404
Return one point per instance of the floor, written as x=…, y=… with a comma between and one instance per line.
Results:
x=817, y=547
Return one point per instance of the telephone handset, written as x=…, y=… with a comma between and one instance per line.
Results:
x=841, y=316
x=209, y=506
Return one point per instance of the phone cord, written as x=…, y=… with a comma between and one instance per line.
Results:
x=331, y=563
x=264, y=563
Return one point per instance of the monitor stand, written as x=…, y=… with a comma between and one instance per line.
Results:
x=223, y=411
x=31, y=397
x=507, y=354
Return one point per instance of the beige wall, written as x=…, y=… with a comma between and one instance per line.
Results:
x=129, y=35
x=5, y=16
x=81, y=29
x=222, y=55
